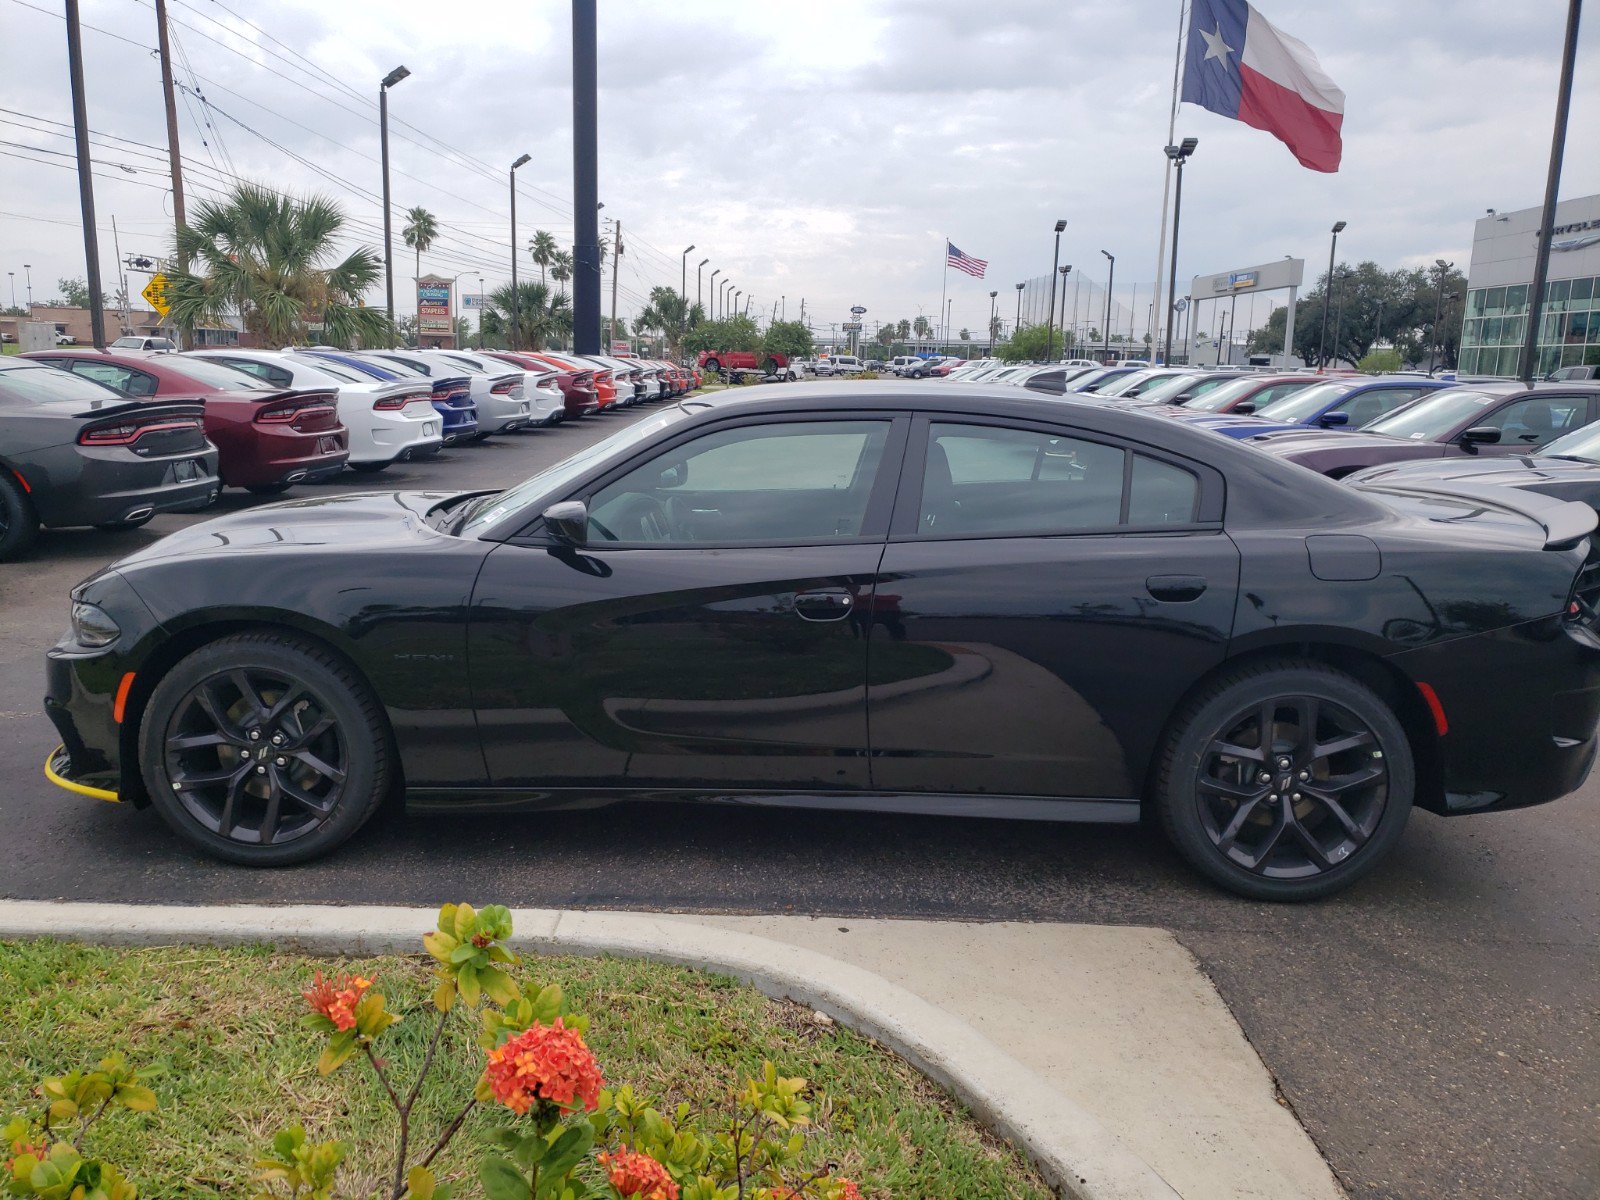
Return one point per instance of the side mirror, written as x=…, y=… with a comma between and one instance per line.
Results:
x=1481, y=435
x=1333, y=420
x=1245, y=407
x=568, y=522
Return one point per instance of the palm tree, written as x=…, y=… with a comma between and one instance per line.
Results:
x=903, y=329
x=420, y=229
x=261, y=254
x=921, y=327
x=542, y=246
x=666, y=314
x=561, y=268
x=541, y=319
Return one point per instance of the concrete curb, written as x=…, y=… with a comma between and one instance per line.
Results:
x=1077, y=1155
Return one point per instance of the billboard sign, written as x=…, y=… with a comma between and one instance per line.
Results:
x=851, y=327
x=620, y=347
x=857, y=311
x=434, y=315
x=471, y=301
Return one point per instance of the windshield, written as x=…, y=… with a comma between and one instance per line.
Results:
x=48, y=385
x=476, y=368
x=1584, y=443
x=1123, y=386
x=1161, y=389
x=1433, y=417
x=493, y=509
x=216, y=375
x=1223, y=395
x=1304, y=403
x=328, y=367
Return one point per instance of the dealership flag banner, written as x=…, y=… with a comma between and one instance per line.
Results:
x=1241, y=66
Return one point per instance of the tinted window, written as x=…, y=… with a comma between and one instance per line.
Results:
x=767, y=483
x=1538, y=419
x=1434, y=416
x=276, y=376
x=985, y=480
x=126, y=380
x=1374, y=403
x=46, y=385
x=1303, y=403
x=214, y=375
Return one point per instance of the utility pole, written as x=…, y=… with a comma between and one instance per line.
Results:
x=683, y=284
x=80, y=131
x=616, y=265
x=993, y=296
x=122, y=279
x=185, y=337
x=585, y=181
x=1111, y=280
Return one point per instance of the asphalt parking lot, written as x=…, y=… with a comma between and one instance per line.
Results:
x=1437, y=1029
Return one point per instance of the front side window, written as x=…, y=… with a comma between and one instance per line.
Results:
x=1538, y=419
x=1373, y=403
x=1301, y=403
x=1434, y=416
x=794, y=482
x=983, y=480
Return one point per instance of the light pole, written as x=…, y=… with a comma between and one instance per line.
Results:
x=27, y=272
x=1017, y=328
x=993, y=297
x=723, y=292
x=13, y=276
x=1178, y=154
x=1434, y=344
x=683, y=284
x=948, y=305
x=389, y=80
x=699, y=293
x=1111, y=278
x=1050, y=314
x=481, y=286
x=737, y=292
x=1062, y=320
x=516, y=298
x=714, y=275
x=1327, y=291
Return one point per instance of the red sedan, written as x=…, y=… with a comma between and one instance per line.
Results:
x=1248, y=393
x=268, y=438
x=577, y=387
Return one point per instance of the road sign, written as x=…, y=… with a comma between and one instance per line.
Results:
x=155, y=294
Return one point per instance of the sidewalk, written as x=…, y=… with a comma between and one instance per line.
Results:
x=1103, y=1052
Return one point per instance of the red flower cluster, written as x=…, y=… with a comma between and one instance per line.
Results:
x=544, y=1062
x=845, y=1190
x=40, y=1153
x=337, y=1000
x=635, y=1174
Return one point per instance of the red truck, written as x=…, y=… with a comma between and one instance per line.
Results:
x=742, y=360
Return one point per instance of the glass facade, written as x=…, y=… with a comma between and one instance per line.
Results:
x=1496, y=321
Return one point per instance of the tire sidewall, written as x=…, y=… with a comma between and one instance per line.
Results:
x=22, y=523
x=366, y=748
x=1175, y=792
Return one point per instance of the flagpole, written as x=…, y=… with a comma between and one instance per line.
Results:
x=1161, y=314
x=944, y=288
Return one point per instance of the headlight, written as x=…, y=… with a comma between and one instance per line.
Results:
x=92, y=627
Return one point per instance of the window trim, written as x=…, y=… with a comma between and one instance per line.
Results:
x=907, y=523
x=874, y=524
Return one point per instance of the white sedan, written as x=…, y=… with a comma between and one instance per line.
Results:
x=502, y=408
x=546, y=405
x=388, y=422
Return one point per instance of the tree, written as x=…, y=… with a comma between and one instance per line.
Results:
x=885, y=336
x=269, y=258
x=921, y=327
x=405, y=330
x=1380, y=362
x=666, y=314
x=902, y=329
x=420, y=229
x=789, y=338
x=737, y=332
x=74, y=294
x=543, y=250
x=997, y=326
x=541, y=318
x=965, y=335
x=561, y=268
x=1026, y=345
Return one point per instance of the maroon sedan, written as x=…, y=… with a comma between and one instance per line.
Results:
x=1494, y=418
x=1248, y=393
x=578, y=390
x=268, y=438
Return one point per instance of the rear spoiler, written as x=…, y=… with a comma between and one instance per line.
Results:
x=1563, y=521
x=162, y=409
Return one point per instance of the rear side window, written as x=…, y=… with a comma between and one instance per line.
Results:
x=126, y=380
x=276, y=376
x=986, y=480
x=48, y=385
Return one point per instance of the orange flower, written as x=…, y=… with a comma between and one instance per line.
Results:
x=635, y=1174
x=21, y=1148
x=844, y=1189
x=337, y=1000
x=545, y=1062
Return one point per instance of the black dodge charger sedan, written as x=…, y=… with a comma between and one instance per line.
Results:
x=954, y=600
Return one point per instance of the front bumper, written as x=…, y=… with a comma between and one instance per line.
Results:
x=1522, y=705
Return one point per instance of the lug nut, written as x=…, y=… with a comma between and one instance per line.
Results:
x=261, y=770
x=1295, y=797
x=281, y=761
x=277, y=739
x=1305, y=774
x=1272, y=799
x=1263, y=778
x=255, y=735
x=1283, y=762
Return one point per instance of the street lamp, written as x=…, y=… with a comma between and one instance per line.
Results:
x=714, y=275
x=13, y=275
x=993, y=296
x=1327, y=290
x=1438, y=308
x=27, y=269
x=1180, y=155
x=683, y=283
x=516, y=299
x=699, y=292
x=737, y=292
x=1111, y=278
x=1017, y=328
x=1062, y=321
x=1050, y=314
x=389, y=80
x=481, y=287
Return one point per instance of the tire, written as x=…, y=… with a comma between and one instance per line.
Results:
x=1223, y=812
x=319, y=806
x=367, y=468
x=713, y=364
x=268, y=489
x=19, y=524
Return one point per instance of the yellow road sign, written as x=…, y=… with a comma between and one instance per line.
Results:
x=155, y=292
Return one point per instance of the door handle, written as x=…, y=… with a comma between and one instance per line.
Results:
x=1177, y=588
x=825, y=604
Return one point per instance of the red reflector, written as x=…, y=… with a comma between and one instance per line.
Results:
x=122, y=697
x=21, y=480
x=1440, y=721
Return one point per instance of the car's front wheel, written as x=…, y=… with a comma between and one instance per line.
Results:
x=264, y=749
x=1285, y=781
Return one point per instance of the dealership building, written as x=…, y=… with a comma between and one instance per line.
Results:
x=1501, y=278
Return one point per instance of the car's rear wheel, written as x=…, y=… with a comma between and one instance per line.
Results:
x=1285, y=781
x=19, y=524
x=713, y=364
x=264, y=749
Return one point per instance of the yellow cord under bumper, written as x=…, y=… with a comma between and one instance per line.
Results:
x=83, y=789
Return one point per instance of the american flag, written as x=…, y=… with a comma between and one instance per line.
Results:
x=964, y=262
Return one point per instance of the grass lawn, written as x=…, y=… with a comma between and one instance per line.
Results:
x=226, y=1022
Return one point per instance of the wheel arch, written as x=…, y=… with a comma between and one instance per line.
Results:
x=202, y=632
x=1362, y=664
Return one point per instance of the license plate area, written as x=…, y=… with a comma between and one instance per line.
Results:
x=186, y=471
x=328, y=445
x=430, y=428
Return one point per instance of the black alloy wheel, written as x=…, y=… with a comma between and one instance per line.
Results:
x=264, y=749
x=19, y=524
x=1286, y=781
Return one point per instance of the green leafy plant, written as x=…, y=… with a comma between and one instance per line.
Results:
x=46, y=1150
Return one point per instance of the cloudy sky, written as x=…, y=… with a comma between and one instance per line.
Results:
x=815, y=149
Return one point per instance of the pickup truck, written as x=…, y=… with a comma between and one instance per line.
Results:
x=742, y=360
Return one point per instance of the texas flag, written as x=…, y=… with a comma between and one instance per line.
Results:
x=1240, y=65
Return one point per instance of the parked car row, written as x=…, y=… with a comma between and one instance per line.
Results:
x=111, y=438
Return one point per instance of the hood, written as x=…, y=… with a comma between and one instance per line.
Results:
x=338, y=522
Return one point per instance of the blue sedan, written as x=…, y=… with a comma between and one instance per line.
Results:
x=1347, y=403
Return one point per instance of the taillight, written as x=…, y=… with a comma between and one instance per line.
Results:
x=127, y=432
x=284, y=414
x=504, y=388
x=395, y=403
